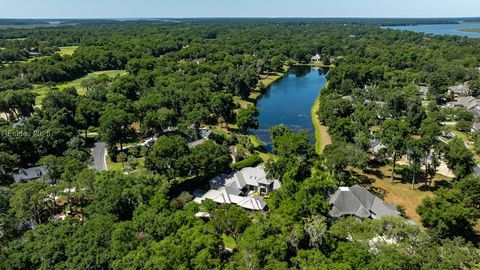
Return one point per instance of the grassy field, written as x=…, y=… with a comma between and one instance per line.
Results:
x=322, y=138
x=471, y=30
x=398, y=192
x=42, y=90
x=229, y=242
x=271, y=78
x=117, y=166
x=258, y=144
x=113, y=166
x=67, y=50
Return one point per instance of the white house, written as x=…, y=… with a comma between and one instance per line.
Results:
x=316, y=58
x=240, y=188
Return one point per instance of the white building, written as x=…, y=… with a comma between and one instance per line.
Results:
x=240, y=188
x=316, y=58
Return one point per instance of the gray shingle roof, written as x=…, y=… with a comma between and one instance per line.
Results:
x=357, y=201
x=228, y=188
x=29, y=174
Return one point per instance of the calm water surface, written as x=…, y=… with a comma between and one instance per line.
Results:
x=289, y=102
x=442, y=29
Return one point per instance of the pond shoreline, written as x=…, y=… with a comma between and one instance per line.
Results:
x=322, y=137
x=289, y=115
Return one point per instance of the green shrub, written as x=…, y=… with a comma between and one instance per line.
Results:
x=251, y=161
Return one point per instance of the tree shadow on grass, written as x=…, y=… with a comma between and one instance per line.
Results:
x=377, y=173
x=361, y=179
x=436, y=185
x=375, y=164
x=379, y=192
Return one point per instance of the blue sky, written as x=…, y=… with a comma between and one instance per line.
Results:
x=237, y=8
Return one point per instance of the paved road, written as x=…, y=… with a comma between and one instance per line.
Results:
x=99, y=156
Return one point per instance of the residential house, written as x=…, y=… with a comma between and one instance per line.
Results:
x=468, y=102
x=33, y=54
x=196, y=143
x=205, y=135
x=24, y=175
x=376, y=146
x=423, y=91
x=475, y=127
x=316, y=58
x=460, y=90
x=241, y=188
x=359, y=202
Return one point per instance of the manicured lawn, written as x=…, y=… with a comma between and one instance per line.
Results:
x=266, y=156
x=271, y=78
x=259, y=145
x=117, y=166
x=42, y=90
x=322, y=138
x=114, y=166
x=229, y=242
x=67, y=50
x=242, y=103
x=255, y=141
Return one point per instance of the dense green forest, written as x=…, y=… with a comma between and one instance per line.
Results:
x=194, y=74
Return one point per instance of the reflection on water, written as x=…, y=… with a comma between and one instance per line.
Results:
x=289, y=101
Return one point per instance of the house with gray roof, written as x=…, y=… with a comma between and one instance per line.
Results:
x=475, y=127
x=460, y=90
x=359, y=202
x=468, y=102
x=28, y=174
x=376, y=146
x=423, y=91
x=240, y=188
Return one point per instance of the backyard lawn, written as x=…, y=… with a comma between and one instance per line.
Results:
x=67, y=50
x=400, y=193
x=42, y=90
x=229, y=242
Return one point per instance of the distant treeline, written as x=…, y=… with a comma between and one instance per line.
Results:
x=359, y=21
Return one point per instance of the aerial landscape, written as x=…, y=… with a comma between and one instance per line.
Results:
x=211, y=134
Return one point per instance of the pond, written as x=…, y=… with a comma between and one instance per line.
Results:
x=289, y=101
x=442, y=29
